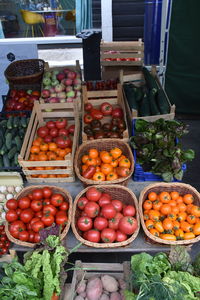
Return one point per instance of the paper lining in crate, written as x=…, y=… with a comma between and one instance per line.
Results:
x=76, y=68
x=87, y=270
x=120, y=55
x=40, y=114
x=96, y=98
x=138, y=80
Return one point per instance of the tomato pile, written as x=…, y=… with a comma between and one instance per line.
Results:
x=39, y=209
x=99, y=85
x=171, y=216
x=53, y=142
x=4, y=242
x=103, y=219
x=114, y=126
x=21, y=100
x=104, y=165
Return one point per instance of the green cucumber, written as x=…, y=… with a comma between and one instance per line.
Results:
x=16, y=122
x=18, y=142
x=9, y=140
x=12, y=152
x=150, y=80
x=145, y=107
x=6, y=161
x=10, y=122
x=3, y=149
x=23, y=122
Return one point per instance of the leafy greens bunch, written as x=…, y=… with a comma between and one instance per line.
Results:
x=160, y=277
x=158, y=147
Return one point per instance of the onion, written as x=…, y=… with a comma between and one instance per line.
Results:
x=9, y=196
x=18, y=189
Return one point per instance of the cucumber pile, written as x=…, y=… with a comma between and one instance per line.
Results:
x=148, y=100
x=12, y=131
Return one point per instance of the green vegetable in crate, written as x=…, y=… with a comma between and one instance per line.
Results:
x=130, y=96
x=150, y=79
x=152, y=101
x=144, y=109
x=163, y=102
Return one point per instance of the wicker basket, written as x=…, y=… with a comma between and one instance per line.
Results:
x=26, y=191
x=181, y=188
x=25, y=71
x=117, y=192
x=100, y=145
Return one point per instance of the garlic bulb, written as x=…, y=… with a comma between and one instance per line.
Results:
x=9, y=196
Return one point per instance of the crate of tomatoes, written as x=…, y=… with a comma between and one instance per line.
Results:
x=170, y=213
x=103, y=114
x=50, y=142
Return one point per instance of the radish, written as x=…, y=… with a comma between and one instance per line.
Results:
x=60, y=76
x=68, y=81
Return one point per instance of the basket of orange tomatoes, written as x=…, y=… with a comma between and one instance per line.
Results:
x=170, y=213
x=106, y=161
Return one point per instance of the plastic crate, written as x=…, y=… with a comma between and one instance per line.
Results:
x=139, y=174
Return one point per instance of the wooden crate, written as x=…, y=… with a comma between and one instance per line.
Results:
x=40, y=114
x=8, y=257
x=96, y=98
x=120, y=55
x=138, y=80
x=88, y=270
x=75, y=68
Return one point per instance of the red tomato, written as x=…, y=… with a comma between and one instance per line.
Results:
x=92, y=235
x=118, y=215
x=92, y=209
x=53, y=132
x=1, y=228
x=108, y=235
x=48, y=138
x=96, y=114
x=12, y=204
x=7, y=244
x=129, y=210
x=3, y=237
x=63, y=131
x=39, y=214
x=117, y=112
x=17, y=227
x=83, y=214
x=30, y=196
x=46, y=202
x=108, y=211
x=49, y=210
x=26, y=215
x=93, y=194
x=104, y=199
x=117, y=204
x=50, y=124
x=100, y=223
x=88, y=106
x=61, y=218
x=64, y=206
x=120, y=236
x=38, y=194
x=113, y=223
x=11, y=215
x=128, y=225
x=82, y=202
x=47, y=192
x=47, y=220
x=18, y=211
x=24, y=202
x=31, y=236
x=88, y=119
x=84, y=223
x=63, y=142
x=36, y=238
x=34, y=220
x=24, y=236
x=36, y=205
x=61, y=123
x=106, y=109
x=57, y=199
x=37, y=226
x=42, y=131
x=71, y=129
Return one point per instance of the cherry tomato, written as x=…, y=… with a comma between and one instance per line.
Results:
x=39, y=214
x=82, y=202
x=38, y=194
x=37, y=226
x=36, y=205
x=64, y=206
x=117, y=204
x=100, y=223
x=46, y=202
x=16, y=227
x=61, y=218
x=108, y=235
x=11, y=215
x=108, y=211
x=128, y=225
x=24, y=202
x=24, y=236
x=84, y=223
x=18, y=211
x=96, y=114
x=120, y=236
x=47, y=220
x=3, y=237
x=93, y=194
x=12, y=204
x=92, y=209
x=61, y=123
x=92, y=235
x=49, y=210
x=57, y=199
x=129, y=210
x=26, y=215
x=47, y=192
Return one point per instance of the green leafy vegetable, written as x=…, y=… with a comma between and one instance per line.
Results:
x=180, y=259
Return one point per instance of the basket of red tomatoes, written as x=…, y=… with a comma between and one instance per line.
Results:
x=35, y=209
x=106, y=216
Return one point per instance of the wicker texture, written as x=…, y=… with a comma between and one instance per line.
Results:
x=100, y=145
x=182, y=189
x=117, y=192
x=25, y=71
x=28, y=190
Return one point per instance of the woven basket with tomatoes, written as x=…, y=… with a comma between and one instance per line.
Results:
x=170, y=213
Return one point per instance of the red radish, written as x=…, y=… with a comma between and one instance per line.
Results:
x=68, y=81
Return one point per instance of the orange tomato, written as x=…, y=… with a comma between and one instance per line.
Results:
x=84, y=158
x=168, y=237
x=176, y=225
x=157, y=205
x=179, y=234
x=116, y=152
x=154, y=232
x=52, y=146
x=121, y=157
x=37, y=141
x=98, y=176
x=196, y=228
x=146, y=215
x=43, y=175
x=174, y=195
x=165, y=209
x=84, y=168
x=182, y=207
x=93, y=153
x=189, y=235
x=174, y=210
x=91, y=162
x=114, y=163
x=152, y=196
x=42, y=157
x=191, y=219
x=98, y=161
x=49, y=168
x=154, y=215
x=164, y=197
x=125, y=163
x=149, y=224
x=167, y=224
x=35, y=149
x=185, y=226
x=188, y=199
x=181, y=216
x=112, y=176
x=39, y=168
x=195, y=210
x=59, y=158
x=172, y=203
x=188, y=208
x=179, y=199
x=172, y=216
x=147, y=204
x=106, y=169
x=61, y=152
x=33, y=157
x=106, y=157
x=35, y=93
x=52, y=156
x=158, y=226
x=44, y=147
x=98, y=169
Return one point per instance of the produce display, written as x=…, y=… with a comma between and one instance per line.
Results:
x=164, y=277
x=21, y=100
x=104, y=121
x=29, y=214
x=61, y=86
x=171, y=216
x=12, y=131
x=103, y=219
x=158, y=149
x=53, y=142
x=4, y=241
x=105, y=165
x=101, y=85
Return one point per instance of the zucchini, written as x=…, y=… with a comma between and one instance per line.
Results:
x=150, y=80
x=152, y=101
x=139, y=94
x=3, y=124
x=1, y=142
x=16, y=122
x=22, y=132
x=16, y=163
x=144, y=110
x=18, y=142
x=130, y=96
x=6, y=161
x=1, y=162
x=12, y=152
x=2, y=133
x=3, y=149
x=23, y=122
x=9, y=140
x=163, y=103
x=10, y=122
